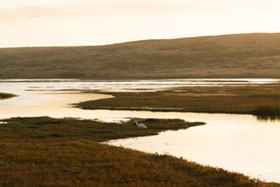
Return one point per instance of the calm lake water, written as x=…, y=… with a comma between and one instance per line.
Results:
x=238, y=143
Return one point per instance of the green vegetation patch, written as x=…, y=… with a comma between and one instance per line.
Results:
x=66, y=152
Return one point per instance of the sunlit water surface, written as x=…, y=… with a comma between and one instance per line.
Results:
x=238, y=143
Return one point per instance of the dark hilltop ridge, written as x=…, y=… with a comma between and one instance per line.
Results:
x=227, y=56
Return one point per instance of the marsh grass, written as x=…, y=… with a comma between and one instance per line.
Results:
x=66, y=152
x=267, y=112
x=227, y=99
x=268, y=94
x=73, y=129
x=6, y=95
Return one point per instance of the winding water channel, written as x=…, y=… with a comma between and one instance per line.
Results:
x=239, y=143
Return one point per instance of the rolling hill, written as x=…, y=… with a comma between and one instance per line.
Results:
x=227, y=56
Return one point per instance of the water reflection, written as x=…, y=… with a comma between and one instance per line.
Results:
x=238, y=143
x=268, y=118
x=116, y=86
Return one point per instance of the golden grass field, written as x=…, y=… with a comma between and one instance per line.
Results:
x=67, y=152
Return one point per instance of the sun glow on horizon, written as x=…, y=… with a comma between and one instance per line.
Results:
x=96, y=22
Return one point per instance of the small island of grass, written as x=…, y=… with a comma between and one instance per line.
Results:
x=224, y=99
x=6, y=95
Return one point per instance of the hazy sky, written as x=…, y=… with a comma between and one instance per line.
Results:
x=96, y=22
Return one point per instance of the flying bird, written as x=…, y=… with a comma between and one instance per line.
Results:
x=141, y=125
x=34, y=17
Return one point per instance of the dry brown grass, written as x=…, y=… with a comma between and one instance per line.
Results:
x=230, y=56
x=228, y=99
x=65, y=152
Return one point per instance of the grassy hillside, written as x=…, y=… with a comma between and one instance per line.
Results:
x=242, y=56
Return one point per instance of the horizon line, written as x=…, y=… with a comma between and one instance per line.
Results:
x=132, y=41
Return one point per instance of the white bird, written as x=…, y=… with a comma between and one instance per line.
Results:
x=141, y=125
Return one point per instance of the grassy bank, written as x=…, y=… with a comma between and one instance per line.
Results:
x=66, y=152
x=229, y=99
x=228, y=56
x=6, y=95
x=267, y=112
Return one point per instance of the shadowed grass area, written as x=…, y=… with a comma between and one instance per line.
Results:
x=224, y=99
x=267, y=112
x=66, y=152
x=6, y=95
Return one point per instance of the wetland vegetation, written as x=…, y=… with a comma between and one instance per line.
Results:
x=267, y=112
x=67, y=152
x=6, y=95
x=222, y=99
